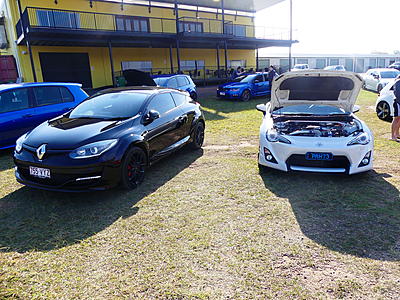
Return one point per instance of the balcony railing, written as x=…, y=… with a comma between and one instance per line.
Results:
x=76, y=20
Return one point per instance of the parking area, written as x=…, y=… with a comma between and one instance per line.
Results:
x=208, y=224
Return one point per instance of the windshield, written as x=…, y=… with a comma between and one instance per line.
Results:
x=161, y=81
x=389, y=74
x=119, y=105
x=243, y=78
x=309, y=109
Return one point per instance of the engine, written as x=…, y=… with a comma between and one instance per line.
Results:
x=317, y=128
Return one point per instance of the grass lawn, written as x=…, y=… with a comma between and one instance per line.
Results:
x=206, y=224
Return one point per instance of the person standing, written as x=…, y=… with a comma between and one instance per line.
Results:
x=236, y=73
x=271, y=75
x=396, y=115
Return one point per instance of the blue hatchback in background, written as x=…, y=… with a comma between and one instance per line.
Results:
x=245, y=87
x=25, y=106
x=180, y=82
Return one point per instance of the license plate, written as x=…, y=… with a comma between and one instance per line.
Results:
x=39, y=172
x=222, y=93
x=319, y=156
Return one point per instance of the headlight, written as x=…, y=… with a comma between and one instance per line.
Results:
x=234, y=90
x=93, y=149
x=274, y=136
x=19, y=143
x=361, y=139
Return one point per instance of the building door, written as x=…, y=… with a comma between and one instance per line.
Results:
x=349, y=64
x=66, y=67
x=359, y=65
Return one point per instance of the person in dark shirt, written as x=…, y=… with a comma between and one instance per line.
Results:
x=396, y=106
x=271, y=75
x=236, y=73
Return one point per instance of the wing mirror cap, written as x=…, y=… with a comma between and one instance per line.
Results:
x=262, y=108
x=356, y=108
x=151, y=116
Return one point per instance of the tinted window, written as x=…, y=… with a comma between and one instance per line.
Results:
x=14, y=100
x=182, y=81
x=179, y=98
x=162, y=103
x=66, y=95
x=112, y=105
x=47, y=95
x=316, y=88
x=161, y=81
x=389, y=74
x=172, y=83
x=260, y=78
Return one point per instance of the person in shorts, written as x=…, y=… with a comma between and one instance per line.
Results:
x=396, y=111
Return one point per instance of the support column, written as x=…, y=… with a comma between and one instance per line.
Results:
x=223, y=16
x=226, y=58
x=256, y=59
x=111, y=63
x=177, y=35
x=27, y=41
x=291, y=34
x=218, y=64
x=171, y=60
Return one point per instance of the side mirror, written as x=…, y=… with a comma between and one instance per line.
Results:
x=262, y=108
x=356, y=108
x=256, y=81
x=151, y=116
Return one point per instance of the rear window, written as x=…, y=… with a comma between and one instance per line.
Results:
x=182, y=81
x=179, y=98
x=316, y=88
x=14, y=100
x=66, y=95
x=47, y=95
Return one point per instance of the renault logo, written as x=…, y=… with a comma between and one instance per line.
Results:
x=41, y=151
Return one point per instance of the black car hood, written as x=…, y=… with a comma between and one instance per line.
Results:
x=67, y=134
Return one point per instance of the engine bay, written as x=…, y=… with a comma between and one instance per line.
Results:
x=318, y=128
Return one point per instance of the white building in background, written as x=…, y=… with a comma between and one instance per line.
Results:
x=359, y=63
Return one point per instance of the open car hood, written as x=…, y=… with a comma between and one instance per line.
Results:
x=323, y=87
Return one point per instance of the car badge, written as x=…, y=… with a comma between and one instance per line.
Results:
x=319, y=144
x=41, y=151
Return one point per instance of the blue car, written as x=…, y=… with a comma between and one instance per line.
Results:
x=24, y=106
x=180, y=82
x=245, y=87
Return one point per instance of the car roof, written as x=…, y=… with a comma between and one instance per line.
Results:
x=9, y=86
x=381, y=69
x=168, y=75
x=140, y=89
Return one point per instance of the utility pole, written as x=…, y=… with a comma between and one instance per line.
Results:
x=290, y=33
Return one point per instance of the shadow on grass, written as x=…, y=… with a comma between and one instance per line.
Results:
x=357, y=215
x=6, y=161
x=40, y=220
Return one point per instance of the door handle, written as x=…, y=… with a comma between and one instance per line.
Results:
x=27, y=116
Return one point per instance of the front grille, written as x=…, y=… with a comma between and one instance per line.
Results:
x=301, y=161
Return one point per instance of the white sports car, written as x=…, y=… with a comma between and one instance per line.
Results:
x=309, y=124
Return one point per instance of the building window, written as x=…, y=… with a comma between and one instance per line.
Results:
x=301, y=61
x=349, y=64
x=54, y=18
x=239, y=30
x=189, y=65
x=137, y=24
x=334, y=61
x=381, y=63
x=236, y=63
x=3, y=35
x=372, y=63
x=145, y=66
x=264, y=63
x=185, y=26
x=321, y=63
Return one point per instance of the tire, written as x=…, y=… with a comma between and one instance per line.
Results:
x=193, y=95
x=383, y=111
x=379, y=88
x=198, y=136
x=245, y=96
x=262, y=169
x=133, y=168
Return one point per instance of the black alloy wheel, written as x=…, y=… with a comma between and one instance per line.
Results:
x=383, y=111
x=245, y=96
x=133, y=168
x=198, y=136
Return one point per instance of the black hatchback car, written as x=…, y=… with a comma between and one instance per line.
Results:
x=110, y=138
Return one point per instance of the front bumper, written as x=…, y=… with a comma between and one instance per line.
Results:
x=291, y=157
x=228, y=94
x=66, y=174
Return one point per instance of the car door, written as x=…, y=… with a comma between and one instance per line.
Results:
x=16, y=115
x=187, y=115
x=51, y=101
x=368, y=79
x=375, y=80
x=259, y=85
x=165, y=131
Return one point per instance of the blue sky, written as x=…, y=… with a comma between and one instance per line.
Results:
x=337, y=26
